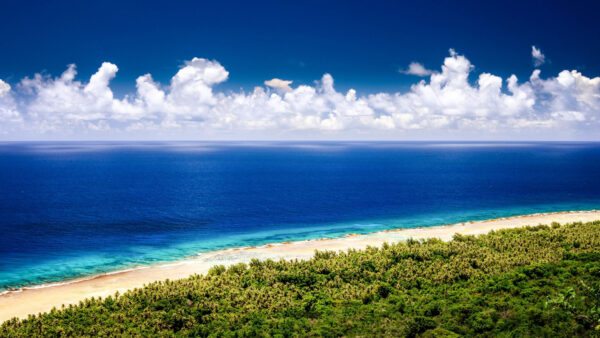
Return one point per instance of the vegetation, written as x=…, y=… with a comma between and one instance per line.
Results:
x=534, y=281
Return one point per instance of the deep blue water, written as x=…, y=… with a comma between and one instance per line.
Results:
x=73, y=209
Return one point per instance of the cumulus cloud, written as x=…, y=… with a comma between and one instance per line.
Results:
x=8, y=109
x=4, y=88
x=452, y=100
x=570, y=96
x=538, y=58
x=279, y=84
x=417, y=69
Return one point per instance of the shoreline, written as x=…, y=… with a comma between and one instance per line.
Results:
x=42, y=298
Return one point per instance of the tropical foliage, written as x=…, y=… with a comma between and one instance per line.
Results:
x=533, y=281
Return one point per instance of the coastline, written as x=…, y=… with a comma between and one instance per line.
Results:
x=35, y=299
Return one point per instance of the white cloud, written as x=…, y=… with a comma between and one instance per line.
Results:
x=4, y=88
x=279, y=84
x=570, y=96
x=538, y=58
x=448, y=104
x=9, y=115
x=417, y=69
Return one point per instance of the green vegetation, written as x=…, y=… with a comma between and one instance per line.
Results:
x=534, y=281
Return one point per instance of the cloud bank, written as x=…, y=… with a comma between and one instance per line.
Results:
x=447, y=105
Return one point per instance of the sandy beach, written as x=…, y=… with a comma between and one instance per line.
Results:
x=41, y=299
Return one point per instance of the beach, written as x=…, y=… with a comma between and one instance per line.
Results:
x=33, y=300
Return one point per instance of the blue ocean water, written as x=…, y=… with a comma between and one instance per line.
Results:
x=74, y=209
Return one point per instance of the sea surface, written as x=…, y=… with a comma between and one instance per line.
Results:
x=70, y=210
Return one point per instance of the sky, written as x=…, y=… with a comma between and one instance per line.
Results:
x=426, y=70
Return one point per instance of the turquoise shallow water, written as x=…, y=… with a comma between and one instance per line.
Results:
x=72, y=210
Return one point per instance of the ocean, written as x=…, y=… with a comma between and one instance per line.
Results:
x=69, y=210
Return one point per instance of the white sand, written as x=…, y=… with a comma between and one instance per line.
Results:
x=43, y=298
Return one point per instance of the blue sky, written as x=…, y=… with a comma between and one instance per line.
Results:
x=362, y=45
